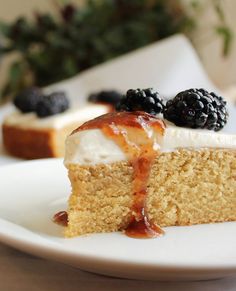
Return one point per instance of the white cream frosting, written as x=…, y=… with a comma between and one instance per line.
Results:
x=90, y=147
x=177, y=137
x=80, y=115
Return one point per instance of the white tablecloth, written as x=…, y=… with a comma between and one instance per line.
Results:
x=19, y=271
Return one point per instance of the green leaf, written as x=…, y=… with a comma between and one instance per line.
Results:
x=15, y=72
x=69, y=67
x=195, y=4
x=219, y=10
x=227, y=38
x=4, y=28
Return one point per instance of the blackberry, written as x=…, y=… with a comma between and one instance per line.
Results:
x=52, y=104
x=27, y=100
x=197, y=108
x=147, y=100
x=109, y=96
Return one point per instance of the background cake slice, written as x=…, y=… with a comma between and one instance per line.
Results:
x=41, y=123
x=27, y=136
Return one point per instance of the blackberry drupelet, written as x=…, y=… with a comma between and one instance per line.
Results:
x=27, y=100
x=109, y=96
x=52, y=104
x=147, y=100
x=197, y=108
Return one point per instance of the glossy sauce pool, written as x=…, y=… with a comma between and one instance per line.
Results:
x=61, y=218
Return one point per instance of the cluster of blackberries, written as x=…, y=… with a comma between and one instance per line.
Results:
x=194, y=108
x=33, y=100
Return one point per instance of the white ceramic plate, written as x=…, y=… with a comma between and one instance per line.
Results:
x=31, y=192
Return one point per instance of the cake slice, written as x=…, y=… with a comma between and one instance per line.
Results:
x=27, y=136
x=130, y=171
x=135, y=172
x=40, y=124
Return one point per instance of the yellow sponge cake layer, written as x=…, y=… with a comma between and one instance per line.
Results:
x=185, y=187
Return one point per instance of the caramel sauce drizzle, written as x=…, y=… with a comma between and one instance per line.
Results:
x=127, y=129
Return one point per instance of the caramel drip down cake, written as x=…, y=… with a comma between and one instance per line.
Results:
x=134, y=172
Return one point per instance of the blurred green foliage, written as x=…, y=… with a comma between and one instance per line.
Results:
x=55, y=47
